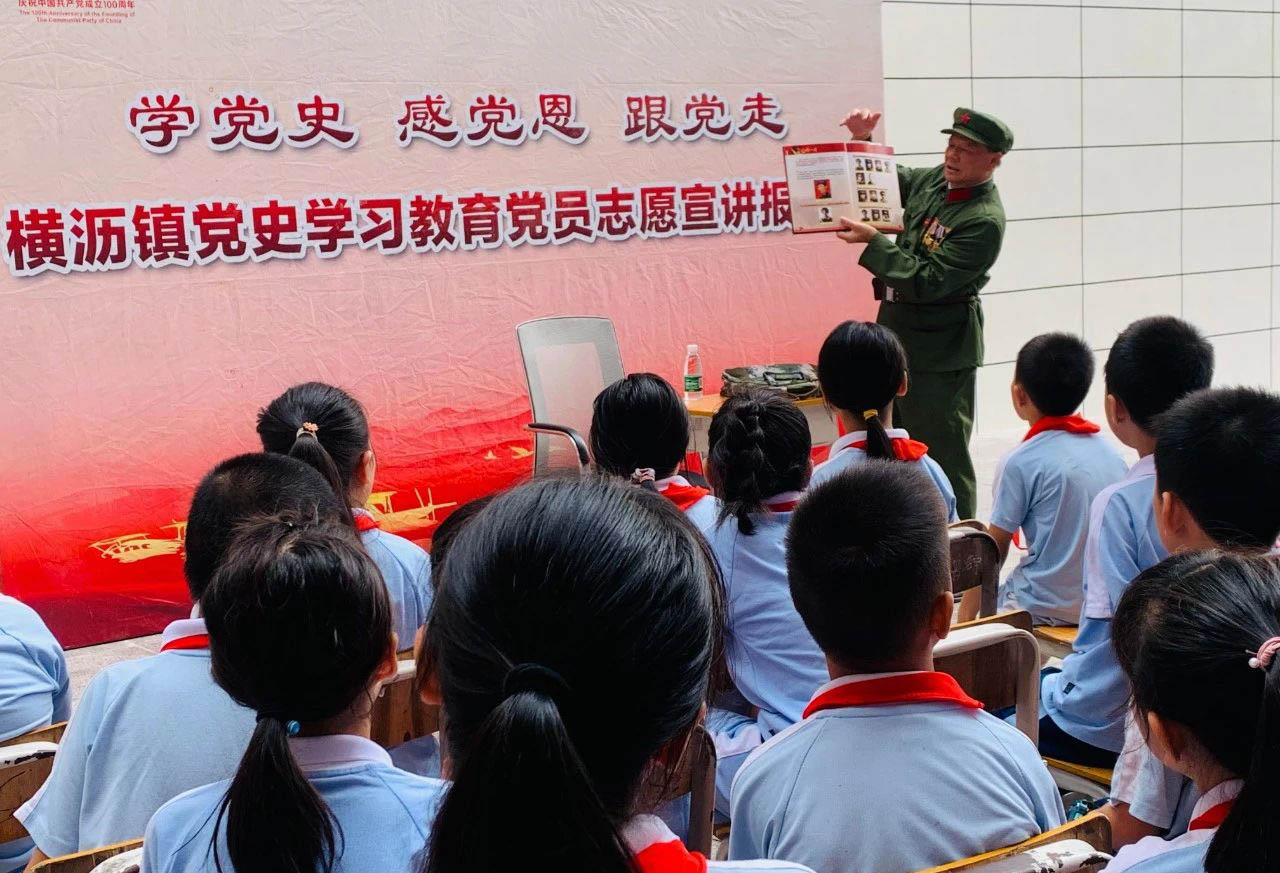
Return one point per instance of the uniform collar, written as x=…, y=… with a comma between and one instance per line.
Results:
x=664, y=484
x=784, y=502
x=878, y=689
x=960, y=195
x=1212, y=807
x=185, y=633
x=336, y=751
x=860, y=435
x=1145, y=467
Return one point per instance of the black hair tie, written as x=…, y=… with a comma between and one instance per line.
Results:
x=537, y=679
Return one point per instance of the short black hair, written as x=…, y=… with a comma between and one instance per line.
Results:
x=1154, y=362
x=237, y=490
x=867, y=554
x=639, y=422
x=1218, y=450
x=1056, y=370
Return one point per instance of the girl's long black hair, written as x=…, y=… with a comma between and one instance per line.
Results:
x=861, y=367
x=571, y=638
x=320, y=424
x=1184, y=633
x=298, y=620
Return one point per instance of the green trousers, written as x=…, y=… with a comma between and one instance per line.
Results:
x=938, y=411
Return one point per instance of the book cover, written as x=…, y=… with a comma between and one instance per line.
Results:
x=830, y=181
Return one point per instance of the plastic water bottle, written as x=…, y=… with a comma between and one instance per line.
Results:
x=692, y=372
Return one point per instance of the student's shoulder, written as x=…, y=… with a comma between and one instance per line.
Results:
x=1006, y=735
x=763, y=866
x=187, y=814
x=781, y=754
x=1182, y=859
x=24, y=624
x=380, y=543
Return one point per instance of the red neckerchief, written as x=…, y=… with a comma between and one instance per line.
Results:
x=1212, y=817
x=929, y=687
x=782, y=506
x=195, y=641
x=669, y=857
x=365, y=521
x=1069, y=423
x=903, y=449
x=684, y=496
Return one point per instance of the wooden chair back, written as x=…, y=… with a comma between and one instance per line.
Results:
x=86, y=861
x=975, y=563
x=51, y=734
x=399, y=714
x=23, y=769
x=1093, y=829
x=998, y=664
x=1019, y=618
x=695, y=775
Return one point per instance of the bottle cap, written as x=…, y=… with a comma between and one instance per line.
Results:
x=691, y=349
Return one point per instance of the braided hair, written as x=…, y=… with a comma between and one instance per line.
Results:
x=759, y=447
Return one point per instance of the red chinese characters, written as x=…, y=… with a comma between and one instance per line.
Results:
x=161, y=120
x=647, y=118
x=244, y=119
x=738, y=205
x=760, y=112
x=330, y=225
x=35, y=240
x=100, y=238
x=658, y=212
x=427, y=118
x=218, y=232
x=571, y=216
x=432, y=223
x=383, y=225
x=775, y=205
x=494, y=118
x=616, y=213
x=275, y=231
x=558, y=114
x=699, y=209
x=527, y=218
x=706, y=115
x=160, y=234
x=321, y=121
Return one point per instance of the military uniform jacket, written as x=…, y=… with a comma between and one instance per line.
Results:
x=933, y=274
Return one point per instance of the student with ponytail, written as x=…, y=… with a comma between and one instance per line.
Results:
x=147, y=729
x=326, y=427
x=571, y=643
x=640, y=431
x=1198, y=636
x=300, y=634
x=759, y=466
x=862, y=368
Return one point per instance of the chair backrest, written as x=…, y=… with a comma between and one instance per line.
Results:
x=399, y=714
x=51, y=734
x=1019, y=618
x=1085, y=838
x=23, y=769
x=695, y=775
x=567, y=362
x=88, y=860
x=975, y=563
x=997, y=664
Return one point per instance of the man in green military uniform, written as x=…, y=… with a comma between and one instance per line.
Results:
x=928, y=283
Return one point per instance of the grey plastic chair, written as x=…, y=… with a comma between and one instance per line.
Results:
x=567, y=362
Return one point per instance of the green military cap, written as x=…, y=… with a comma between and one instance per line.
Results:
x=985, y=130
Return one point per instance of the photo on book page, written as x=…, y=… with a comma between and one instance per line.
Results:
x=830, y=181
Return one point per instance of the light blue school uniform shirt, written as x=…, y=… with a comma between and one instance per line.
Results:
x=844, y=455
x=773, y=659
x=1182, y=854
x=1045, y=486
x=703, y=511
x=1089, y=698
x=35, y=688
x=890, y=787
x=145, y=731
x=1157, y=795
x=406, y=570
x=384, y=814
x=35, y=691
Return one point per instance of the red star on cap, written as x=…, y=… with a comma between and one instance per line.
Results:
x=964, y=118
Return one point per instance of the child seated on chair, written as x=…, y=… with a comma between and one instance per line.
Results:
x=571, y=646
x=1198, y=636
x=640, y=431
x=300, y=634
x=1217, y=476
x=151, y=728
x=35, y=691
x=759, y=465
x=1152, y=364
x=894, y=767
x=1045, y=485
x=862, y=367
x=327, y=428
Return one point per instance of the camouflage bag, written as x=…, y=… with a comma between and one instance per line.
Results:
x=798, y=381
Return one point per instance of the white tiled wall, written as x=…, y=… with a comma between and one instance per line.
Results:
x=1145, y=177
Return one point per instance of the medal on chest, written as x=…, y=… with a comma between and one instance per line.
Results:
x=933, y=233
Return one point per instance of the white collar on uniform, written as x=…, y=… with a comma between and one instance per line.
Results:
x=783, y=497
x=858, y=677
x=1149, y=847
x=183, y=627
x=644, y=831
x=1220, y=793
x=664, y=484
x=1145, y=467
x=894, y=433
x=335, y=751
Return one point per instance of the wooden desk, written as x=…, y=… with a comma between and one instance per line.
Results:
x=822, y=427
